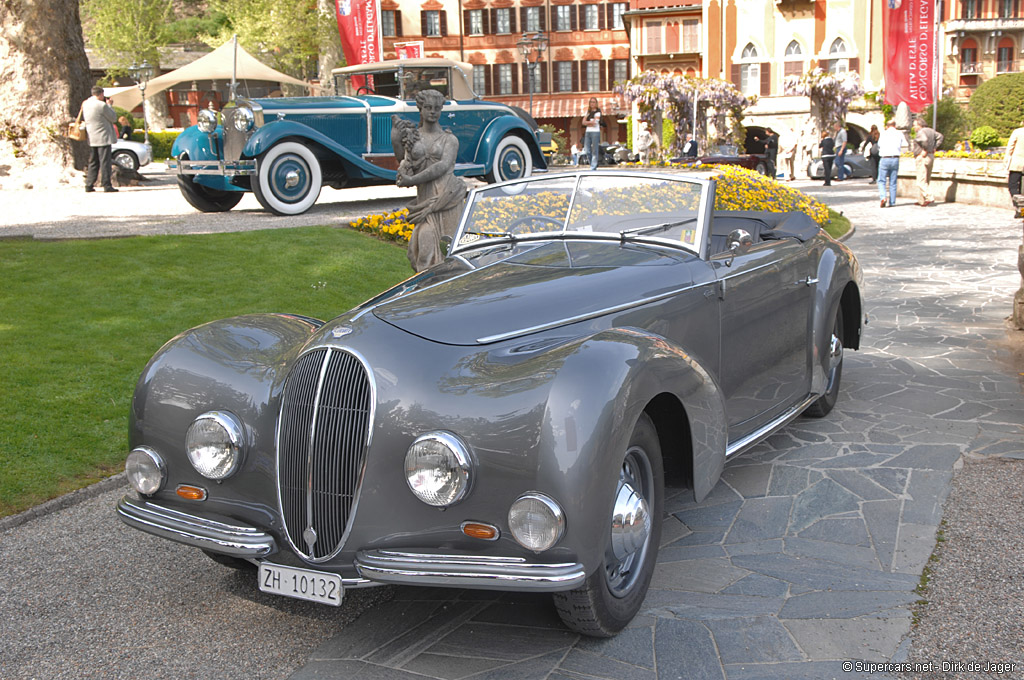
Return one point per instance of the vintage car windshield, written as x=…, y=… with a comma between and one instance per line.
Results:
x=401, y=83
x=604, y=205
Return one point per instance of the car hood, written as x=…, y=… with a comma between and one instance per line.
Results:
x=476, y=300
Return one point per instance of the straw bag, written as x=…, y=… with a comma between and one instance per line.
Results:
x=76, y=130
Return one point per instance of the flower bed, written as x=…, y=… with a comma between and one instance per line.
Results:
x=738, y=189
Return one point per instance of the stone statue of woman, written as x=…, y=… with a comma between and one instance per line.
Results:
x=426, y=158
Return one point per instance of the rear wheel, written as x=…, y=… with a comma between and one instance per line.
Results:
x=126, y=159
x=825, y=403
x=288, y=179
x=512, y=160
x=205, y=199
x=613, y=594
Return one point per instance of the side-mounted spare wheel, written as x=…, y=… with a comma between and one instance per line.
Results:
x=205, y=199
x=613, y=594
x=512, y=160
x=288, y=179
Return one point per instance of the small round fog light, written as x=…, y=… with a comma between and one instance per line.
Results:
x=536, y=521
x=437, y=469
x=214, y=444
x=145, y=470
x=207, y=120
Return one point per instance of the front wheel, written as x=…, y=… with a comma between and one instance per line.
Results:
x=288, y=179
x=205, y=199
x=126, y=159
x=512, y=160
x=825, y=403
x=613, y=594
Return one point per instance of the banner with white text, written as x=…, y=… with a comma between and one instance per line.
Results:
x=359, y=28
x=409, y=50
x=909, y=52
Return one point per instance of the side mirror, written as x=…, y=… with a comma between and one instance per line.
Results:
x=739, y=239
x=446, y=244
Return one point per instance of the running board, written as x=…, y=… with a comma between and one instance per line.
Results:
x=741, y=445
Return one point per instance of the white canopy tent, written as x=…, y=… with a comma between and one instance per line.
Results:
x=221, y=64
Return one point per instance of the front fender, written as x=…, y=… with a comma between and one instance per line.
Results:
x=593, y=405
x=198, y=145
x=501, y=127
x=275, y=131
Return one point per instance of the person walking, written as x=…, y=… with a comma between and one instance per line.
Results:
x=840, y=142
x=827, y=146
x=926, y=141
x=100, y=121
x=871, y=152
x=890, y=146
x=592, y=138
x=1015, y=169
x=788, y=156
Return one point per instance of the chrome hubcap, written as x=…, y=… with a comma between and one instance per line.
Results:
x=835, y=353
x=291, y=179
x=631, y=522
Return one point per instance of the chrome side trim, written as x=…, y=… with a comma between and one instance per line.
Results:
x=229, y=539
x=467, y=571
x=757, y=435
x=221, y=168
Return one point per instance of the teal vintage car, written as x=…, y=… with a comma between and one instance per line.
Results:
x=285, y=149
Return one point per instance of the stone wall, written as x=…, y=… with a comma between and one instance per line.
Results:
x=960, y=180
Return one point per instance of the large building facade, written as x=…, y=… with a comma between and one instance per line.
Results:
x=586, y=51
x=983, y=39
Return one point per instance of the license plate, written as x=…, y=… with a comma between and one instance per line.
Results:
x=303, y=584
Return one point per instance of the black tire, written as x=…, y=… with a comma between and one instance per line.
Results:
x=228, y=561
x=512, y=160
x=825, y=403
x=205, y=199
x=288, y=179
x=762, y=168
x=126, y=159
x=613, y=594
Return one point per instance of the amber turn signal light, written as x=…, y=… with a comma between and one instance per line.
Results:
x=192, y=493
x=484, y=532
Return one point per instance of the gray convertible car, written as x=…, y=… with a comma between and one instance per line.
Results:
x=506, y=419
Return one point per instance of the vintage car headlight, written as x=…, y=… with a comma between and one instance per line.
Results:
x=207, y=120
x=145, y=469
x=536, y=521
x=215, y=444
x=438, y=469
x=244, y=119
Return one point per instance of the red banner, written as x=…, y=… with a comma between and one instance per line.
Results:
x=359, y=28
x=409, y=50
x=909, y=51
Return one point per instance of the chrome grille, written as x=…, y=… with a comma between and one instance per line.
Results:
x=323, y=433
x=234, y=141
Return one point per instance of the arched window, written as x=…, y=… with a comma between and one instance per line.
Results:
x=750, y=71
x=838, y=57
x=793, y=63
x=1004, y=54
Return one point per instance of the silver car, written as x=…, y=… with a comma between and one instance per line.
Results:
x=131, y=155
x=506, y=419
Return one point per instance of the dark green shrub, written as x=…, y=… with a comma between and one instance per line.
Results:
x=985, y=137
x=160, y=141
x=999, y=103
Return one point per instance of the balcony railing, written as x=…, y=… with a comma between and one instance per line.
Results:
x=970, y=68
x=1007, y=67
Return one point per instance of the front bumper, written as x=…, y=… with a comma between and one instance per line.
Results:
x=229, y=539
x=467, y=571
x=237, y=168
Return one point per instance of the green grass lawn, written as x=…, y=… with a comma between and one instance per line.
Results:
x=80, y=319
x=839, y=224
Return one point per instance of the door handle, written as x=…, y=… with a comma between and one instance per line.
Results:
x=806, y=282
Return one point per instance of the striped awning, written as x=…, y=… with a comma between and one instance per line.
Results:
x=555, y=106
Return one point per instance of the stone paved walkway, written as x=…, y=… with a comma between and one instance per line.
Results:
x=806, y=556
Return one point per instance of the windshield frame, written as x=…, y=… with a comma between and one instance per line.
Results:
x=702, y=221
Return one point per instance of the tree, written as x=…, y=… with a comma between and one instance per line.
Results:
x=950, y=120
x=128, y=32
x=46, y=77
x=999, y=102
x=675, y=97
x=830, y=93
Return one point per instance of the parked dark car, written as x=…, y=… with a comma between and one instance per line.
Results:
x=856, y=166
x=285, y=149
x=728, y=154
x=503, y=420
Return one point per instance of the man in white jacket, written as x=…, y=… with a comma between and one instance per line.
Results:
x=100, y=121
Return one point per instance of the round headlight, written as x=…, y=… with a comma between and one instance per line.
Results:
x=145, y=469
x=207, y=120
x=438, y=469
x=536, y=521
x=244, y=119
x=214, y=444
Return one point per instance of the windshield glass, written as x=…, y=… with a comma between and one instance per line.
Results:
x=621, y=206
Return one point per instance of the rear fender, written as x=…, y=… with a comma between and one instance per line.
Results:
x=599, y=393
x=838, y=284
x=501, y=127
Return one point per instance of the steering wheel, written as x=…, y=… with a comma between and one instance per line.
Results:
x=534, y=220
x=364, y=90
